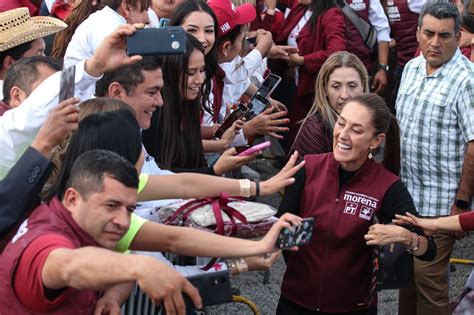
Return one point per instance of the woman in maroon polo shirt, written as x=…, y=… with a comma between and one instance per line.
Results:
x=343, y=191
x=317, y=28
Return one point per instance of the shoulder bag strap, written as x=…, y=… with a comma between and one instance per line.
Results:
x=365, y=29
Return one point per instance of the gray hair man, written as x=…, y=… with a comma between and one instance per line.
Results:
x=435, y=108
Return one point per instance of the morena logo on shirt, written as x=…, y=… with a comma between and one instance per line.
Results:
x=360, y=204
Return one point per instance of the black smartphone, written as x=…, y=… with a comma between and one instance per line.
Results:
x=67, y=83
x=258, y=104
x=168, y=40
x=214, y=288
x=300, y=235
x=268, y=85
x=235, y=115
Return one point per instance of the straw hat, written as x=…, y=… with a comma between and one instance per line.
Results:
x=17, y=27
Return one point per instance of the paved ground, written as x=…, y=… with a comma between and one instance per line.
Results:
x=266, y=296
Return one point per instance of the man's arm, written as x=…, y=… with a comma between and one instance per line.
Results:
x=19, y=126
x=92, y=268
x=380, y=77
x=22, y=185
x=379, y=20
x=27, y=178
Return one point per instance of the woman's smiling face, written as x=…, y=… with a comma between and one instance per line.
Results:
x=354, y=136
x=195, y=75
x=201, y=25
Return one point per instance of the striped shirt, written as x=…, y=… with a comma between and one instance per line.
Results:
x=436, y=116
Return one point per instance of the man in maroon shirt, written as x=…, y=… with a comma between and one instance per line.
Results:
x=61, y=258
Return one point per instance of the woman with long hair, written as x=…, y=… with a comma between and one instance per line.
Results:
x=199, y=19
x=174, y=138
x=341, y=77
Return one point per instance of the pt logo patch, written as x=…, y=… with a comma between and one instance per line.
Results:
x=350, y=208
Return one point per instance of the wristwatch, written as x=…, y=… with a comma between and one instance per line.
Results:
x=381, y=66
x=462, y=204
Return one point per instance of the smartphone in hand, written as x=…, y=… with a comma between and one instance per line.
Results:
x=268, y=85
x=214, y=288
x=258, y=104
x=234, y=116
x=300, y=235
x=255, y=148
x=170, y=40
x=67, y=83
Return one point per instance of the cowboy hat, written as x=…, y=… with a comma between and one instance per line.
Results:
x=17, y=27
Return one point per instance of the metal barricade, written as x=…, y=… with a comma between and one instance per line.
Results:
x=138, y=303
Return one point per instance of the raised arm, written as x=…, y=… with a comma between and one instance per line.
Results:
x=22, y=185
x=192, y=242
x=187, y=185
x=19, y=126
x=430, y=226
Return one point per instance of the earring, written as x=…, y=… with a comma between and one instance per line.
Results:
x=370, y=154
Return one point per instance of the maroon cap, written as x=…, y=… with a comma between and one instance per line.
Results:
x=229, y=16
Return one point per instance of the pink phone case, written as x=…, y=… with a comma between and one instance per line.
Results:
x=255, y=148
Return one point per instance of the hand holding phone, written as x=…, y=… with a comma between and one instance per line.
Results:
x=258, y=104
x=298, y=236
x=268, y=85
x=214, y=288
x=235, y=115
x=255, y=148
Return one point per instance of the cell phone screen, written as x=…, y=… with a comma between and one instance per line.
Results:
x=268, y=85
x=67, y=83
x=259, y=103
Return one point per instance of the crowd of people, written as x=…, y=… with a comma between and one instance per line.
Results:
x=374, y=111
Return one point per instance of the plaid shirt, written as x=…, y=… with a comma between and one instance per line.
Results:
x=436, y=116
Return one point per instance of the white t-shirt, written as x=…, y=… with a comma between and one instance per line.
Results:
x=90, y=33
x=237, y=76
